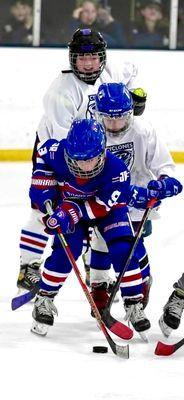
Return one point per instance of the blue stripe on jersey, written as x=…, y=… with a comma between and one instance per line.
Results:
x=36, y=235
x=31, y=249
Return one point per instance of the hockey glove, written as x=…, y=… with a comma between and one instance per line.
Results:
x=165, y=187
x=66, y=216
x=39, y=197
x=139, y=197
x=139, y=97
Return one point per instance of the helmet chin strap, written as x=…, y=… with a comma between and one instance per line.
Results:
x=114, y=132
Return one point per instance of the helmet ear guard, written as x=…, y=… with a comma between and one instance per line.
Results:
x=87, y=41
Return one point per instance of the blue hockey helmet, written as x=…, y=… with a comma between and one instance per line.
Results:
x=85, y=141
x=114, y=101
x=87, y=41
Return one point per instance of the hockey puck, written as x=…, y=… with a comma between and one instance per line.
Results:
x=100, y=349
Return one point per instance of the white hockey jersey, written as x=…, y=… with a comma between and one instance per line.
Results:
x=144, y=154
x=69, y=98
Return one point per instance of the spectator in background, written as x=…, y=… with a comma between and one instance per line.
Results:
x=92, y=15
x=18, y=29
x=180, y=36
x=150, y=29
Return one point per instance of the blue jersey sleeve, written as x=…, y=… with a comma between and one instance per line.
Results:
x=44, y=183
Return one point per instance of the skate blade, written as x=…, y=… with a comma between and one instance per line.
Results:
x=166, y=330
x=39, y=329
x=143, y=336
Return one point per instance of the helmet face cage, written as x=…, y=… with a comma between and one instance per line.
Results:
x=79, y=173
x=87, y=41
x=87, y=76
x=127, y=118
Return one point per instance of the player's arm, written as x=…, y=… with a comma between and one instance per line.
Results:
x=61, y=107
x=134, y=85
x=43, y=183
x=158, y=157
x=112, y=193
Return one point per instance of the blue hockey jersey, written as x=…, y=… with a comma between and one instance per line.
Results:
x=96, y=195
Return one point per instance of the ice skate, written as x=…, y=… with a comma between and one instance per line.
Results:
x=166, y=330
x=136, y=316
x=39, y=329
x=29, y=276
x=172, y=313
x=43, y=313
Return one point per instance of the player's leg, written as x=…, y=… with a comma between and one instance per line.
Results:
x=173, y=309
x=144, y=261
x=100, y=265
x=55, y=272
x=119, y=239
x=33, y=241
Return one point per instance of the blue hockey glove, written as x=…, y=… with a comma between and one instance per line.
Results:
x=38, y=197
x=139, y=197
x=66, y=216
x=165, y=187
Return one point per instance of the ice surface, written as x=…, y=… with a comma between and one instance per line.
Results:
x=62, y=365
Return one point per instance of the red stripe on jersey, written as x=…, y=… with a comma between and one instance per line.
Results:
x=131, y=278
x=97, y=209
x=119, y=205
x=31, y=241
x=52, y=278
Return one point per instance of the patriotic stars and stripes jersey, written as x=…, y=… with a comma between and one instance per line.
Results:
x=96, y=196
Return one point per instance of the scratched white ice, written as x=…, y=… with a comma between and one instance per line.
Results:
x=62, y=364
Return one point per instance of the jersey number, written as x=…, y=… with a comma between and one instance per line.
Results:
x=114, y=197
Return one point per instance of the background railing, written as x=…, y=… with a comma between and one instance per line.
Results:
x=125, y=24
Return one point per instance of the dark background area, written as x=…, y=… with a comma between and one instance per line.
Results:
x=56, y=14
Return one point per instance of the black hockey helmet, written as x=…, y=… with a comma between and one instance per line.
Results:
x=87, y=41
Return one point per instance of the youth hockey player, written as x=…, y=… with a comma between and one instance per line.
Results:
x=89, y=186
x=135, y=141
x=70, y=96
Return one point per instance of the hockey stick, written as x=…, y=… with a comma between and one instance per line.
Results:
x=115, y=326
x=106, y=313
x=121, y=351
x=163, y=349
x=21, y=299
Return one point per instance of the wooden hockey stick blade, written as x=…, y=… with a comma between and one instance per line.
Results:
x=122, y=351
x=163, y=349
x=20, y=300
x=118, y=328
